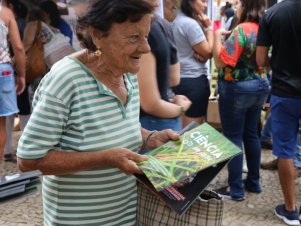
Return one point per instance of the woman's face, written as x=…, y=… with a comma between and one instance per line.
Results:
x=199, y=6
x=238, y=7
x=169, y=10
x=124, y=45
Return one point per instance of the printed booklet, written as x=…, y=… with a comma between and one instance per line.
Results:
x=179, y=171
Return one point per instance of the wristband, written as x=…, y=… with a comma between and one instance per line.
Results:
x=147, y=138
x=182, y=110
x=208, y=28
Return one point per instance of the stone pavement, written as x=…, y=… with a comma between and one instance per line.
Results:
x=256, y=210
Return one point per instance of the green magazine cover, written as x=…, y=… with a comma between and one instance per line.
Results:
x=177, y=161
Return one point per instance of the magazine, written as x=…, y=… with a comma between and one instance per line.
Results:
x=196, y=150
x=183, y=169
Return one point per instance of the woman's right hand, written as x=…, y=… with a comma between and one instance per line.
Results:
x=182, y=101
x=204, y=20
x=20, y=84
x=125, y=160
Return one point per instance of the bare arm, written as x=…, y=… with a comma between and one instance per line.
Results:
x=204, y=49
x=217, y=48
x=19, y=53
x=60, y=163
x=262, y=56
x=150, y=98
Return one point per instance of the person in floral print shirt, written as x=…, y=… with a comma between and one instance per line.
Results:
x=243, y=88
x=238, y=54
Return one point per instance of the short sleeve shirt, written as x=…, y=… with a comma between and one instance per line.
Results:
x=238, y=53
x=280, y=28
x=187, y=33
x=73, y=112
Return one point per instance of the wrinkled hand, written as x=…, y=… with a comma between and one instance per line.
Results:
x=182, y=100
x=161, y=137
x=20, y=84
x=125, y=160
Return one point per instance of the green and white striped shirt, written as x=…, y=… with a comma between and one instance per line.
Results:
x=74, y=112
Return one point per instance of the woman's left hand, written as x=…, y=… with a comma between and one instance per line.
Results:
x=159, y=138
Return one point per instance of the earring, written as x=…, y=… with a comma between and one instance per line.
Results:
x=98, y=52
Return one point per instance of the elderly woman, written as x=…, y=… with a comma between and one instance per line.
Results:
x=84, y=131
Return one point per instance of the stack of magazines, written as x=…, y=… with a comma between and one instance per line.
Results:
x=19, y=185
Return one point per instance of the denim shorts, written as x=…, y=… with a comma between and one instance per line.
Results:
x=154, y=123
x=197, y=90
x=8, y=97
x=285, y=113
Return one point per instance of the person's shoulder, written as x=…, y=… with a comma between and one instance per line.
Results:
x=66, y=76
x=166, y=25
x=68, y=70
x=7, y=15
x=68, y=66
x=279, y=7
x=181, y=17
x=248, y=25
x=184, y=21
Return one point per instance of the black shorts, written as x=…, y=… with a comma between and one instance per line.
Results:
x=198, y=91
x=23, y=103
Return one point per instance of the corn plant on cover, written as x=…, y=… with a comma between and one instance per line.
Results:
x=196, y=150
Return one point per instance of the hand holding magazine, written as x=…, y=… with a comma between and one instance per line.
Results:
x=179, y=171
x=196, y=150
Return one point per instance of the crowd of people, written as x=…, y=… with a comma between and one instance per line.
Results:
x=138, y=79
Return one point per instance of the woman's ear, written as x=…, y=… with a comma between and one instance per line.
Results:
x=97, y=36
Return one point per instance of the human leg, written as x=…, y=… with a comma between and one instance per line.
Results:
x=8, y=101
x=286, y=172
x=24, y=107
x=266, y=137
x=285, y=122
x=230, y=115
x=267, y=129
x=252, y=145
x=23, y=121
x=240, y=104
x=297, y=159
x=3, y=136
x=9, y=137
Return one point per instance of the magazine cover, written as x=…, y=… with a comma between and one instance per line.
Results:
x=179, y=161
x=181, y=196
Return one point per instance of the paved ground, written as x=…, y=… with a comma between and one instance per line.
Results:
x=256, y=210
